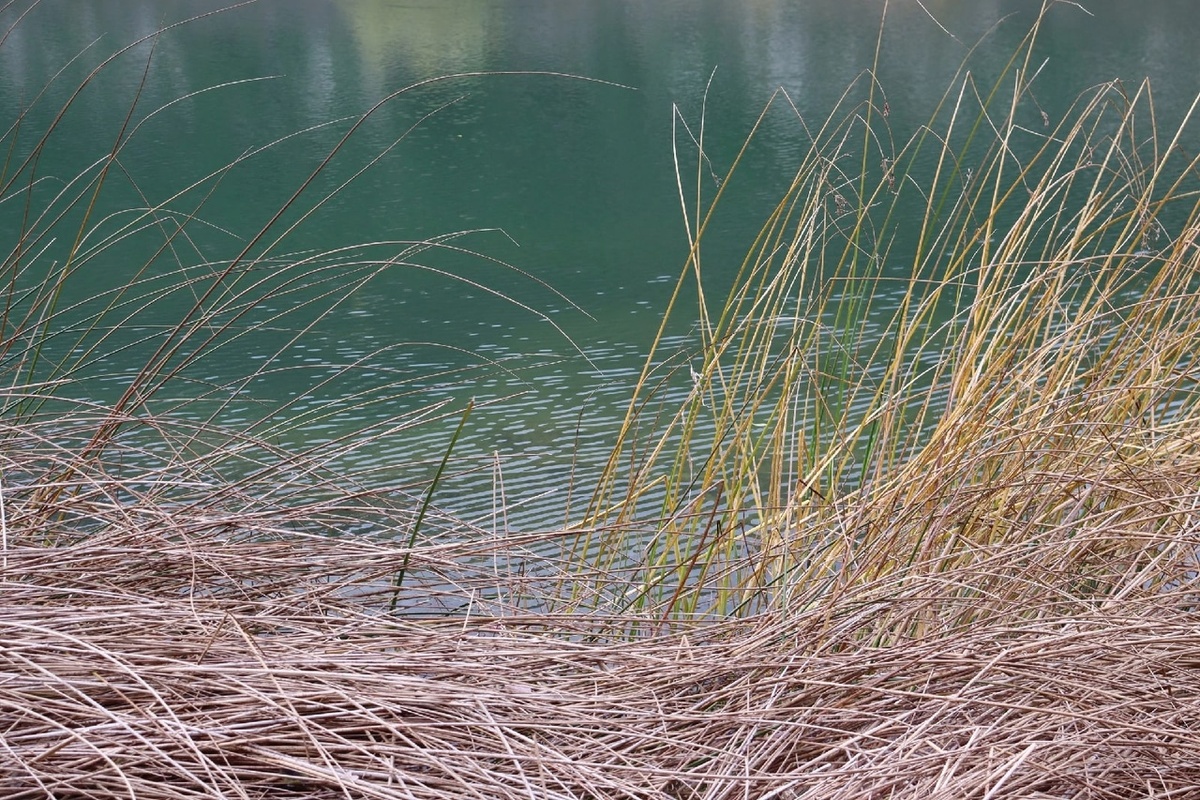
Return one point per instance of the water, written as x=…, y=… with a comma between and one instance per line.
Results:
x=563, y=188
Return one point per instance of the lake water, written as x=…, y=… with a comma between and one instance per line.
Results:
x=561, y=192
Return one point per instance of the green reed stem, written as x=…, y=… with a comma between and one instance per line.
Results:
x=433, y=484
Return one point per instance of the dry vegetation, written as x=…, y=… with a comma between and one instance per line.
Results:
x=191, y=668
x=953, y=554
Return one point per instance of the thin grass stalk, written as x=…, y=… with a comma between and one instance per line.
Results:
x=425, y=503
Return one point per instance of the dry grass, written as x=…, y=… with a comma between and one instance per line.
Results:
x=953, y=554
x=207, y=639
x=204, y=666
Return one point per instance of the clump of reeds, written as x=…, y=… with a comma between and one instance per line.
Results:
x=988, y=377
x=946, y=552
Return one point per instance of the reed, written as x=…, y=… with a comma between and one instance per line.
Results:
x=1021, y=420
x=947, y=551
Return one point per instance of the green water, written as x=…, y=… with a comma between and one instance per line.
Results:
x=563, y=187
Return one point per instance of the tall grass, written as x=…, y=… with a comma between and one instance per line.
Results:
x=986, y=376
x=945, y=550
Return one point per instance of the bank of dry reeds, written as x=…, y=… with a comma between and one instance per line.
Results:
x=192, y=664
x=950, y=550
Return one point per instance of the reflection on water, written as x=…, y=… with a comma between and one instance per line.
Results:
x=431, y=39
x=571, y=183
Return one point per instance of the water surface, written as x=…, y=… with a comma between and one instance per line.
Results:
x=563, y=188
